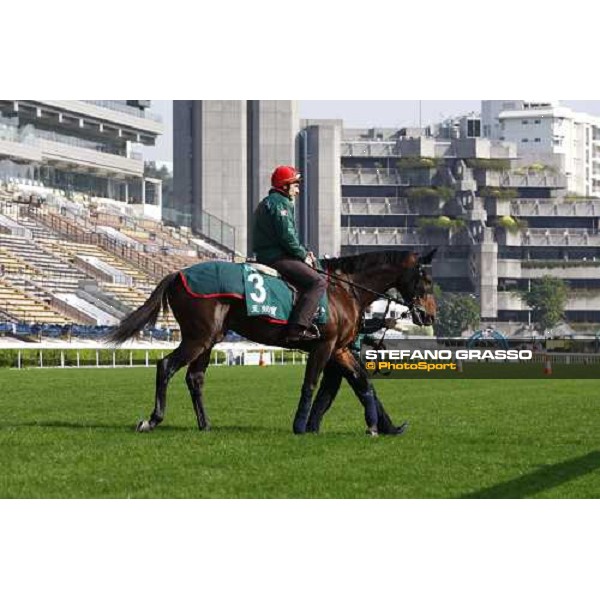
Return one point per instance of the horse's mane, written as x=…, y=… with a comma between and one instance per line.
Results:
x=363, y=262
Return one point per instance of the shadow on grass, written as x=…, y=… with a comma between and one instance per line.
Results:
x=57, y=424
x=542, y=479
x=215, y=429
x=82, y=425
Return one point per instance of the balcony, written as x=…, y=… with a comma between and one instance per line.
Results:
x=560, y=237
x=534, y=269
x=418, y=178
x=362, y=149
x=518, y=180
x=381, y=236
x=545, y=207
x=376, y=206
x=98, y=162
x=373, y=177
x=102, y=114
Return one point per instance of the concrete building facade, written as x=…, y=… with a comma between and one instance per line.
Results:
x=496, y=225
x=224, y=152
x=496, y=228
x=551, y=135
x=82, y=146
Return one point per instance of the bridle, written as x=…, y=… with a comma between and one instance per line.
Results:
x=416, y=311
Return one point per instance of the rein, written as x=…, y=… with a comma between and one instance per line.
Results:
x=387, y=297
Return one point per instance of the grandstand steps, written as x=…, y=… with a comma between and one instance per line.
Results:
x=91, y=311
x=45, y=264
x=74, y=232
x=133, y=297
x=106, y=302
x=20, y=306
x=79, y=251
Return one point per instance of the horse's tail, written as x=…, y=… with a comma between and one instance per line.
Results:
x=146, y=314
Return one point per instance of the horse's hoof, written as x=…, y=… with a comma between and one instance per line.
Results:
x=400, y=429
x=299, y=427
x=372, y=431
x=143, y=427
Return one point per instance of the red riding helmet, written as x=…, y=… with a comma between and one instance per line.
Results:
x=284, y=175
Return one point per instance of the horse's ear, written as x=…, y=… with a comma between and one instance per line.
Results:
x=411, y=260
x=426, y=260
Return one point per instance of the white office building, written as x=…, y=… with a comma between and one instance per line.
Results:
x=549, y=134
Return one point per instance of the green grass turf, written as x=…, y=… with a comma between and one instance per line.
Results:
x=70, y=433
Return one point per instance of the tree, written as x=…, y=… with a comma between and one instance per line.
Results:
x=455, y=313
x=547, y=298
x=151, y=170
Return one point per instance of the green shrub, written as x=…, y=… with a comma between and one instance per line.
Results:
x=423, y=192
x=489, y=164
x=498, y=193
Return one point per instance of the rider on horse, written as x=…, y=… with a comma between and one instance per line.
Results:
x=276, y=244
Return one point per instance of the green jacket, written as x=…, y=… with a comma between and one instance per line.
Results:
x=274, y=232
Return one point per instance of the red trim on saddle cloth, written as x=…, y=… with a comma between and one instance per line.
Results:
x=195, y=295
x=274, y=321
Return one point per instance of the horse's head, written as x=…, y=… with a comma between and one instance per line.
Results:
x=416, y=286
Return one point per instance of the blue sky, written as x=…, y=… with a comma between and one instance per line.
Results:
x=358, y=113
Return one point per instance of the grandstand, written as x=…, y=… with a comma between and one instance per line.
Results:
x=74, y=265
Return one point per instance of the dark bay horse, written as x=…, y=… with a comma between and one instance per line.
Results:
x=205, y=321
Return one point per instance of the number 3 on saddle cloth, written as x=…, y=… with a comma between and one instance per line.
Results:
x=266, y=296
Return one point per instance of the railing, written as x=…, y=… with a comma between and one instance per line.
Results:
x=208, y=225
x=372, y=148
x=555, y=208
x=68, y=356
x=78, y=234
x=125, y=108
x=512, y=179
x=374, y=177
x=377, y=206
x=386, y=236
x=560, y=237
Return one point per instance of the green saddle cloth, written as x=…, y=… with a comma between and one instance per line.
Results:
x=266, y=296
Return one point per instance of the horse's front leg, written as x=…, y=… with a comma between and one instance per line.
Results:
x=317, y=360
x=328, y=389
x=359, y=382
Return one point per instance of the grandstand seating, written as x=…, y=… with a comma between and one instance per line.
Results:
x=49, y=246
x=16, y=305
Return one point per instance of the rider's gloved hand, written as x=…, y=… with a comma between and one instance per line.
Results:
x=310, y=259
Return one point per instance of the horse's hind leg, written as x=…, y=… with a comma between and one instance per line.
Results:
x=165, y=369
x=195, y=382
